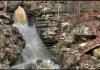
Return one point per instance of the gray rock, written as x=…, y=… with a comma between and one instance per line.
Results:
x=11, y=44
x=5, y=19
x=12, y=5
x=47, y=30
x=4, y=66
x=71, y=59
x=26, y=65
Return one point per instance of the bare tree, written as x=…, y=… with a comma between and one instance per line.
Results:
x=92, y=6
x=76, y=12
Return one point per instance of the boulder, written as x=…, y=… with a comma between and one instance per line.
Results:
x=11, y=44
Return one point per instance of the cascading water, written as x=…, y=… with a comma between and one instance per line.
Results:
x=34, y=49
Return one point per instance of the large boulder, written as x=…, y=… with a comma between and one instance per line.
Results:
x=11, y=44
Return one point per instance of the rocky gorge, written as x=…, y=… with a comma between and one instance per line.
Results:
x=75, y=46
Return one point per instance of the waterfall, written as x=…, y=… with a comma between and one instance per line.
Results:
x=34, y=49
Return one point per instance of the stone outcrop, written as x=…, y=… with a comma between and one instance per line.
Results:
x=11, y=44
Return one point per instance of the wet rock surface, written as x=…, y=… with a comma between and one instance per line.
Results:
x=11, y=44
x=4, y=66
x=38, y=64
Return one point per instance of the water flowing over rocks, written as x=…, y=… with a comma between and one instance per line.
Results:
x=76, y=47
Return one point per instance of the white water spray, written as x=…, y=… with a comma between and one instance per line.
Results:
x=34, y=49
